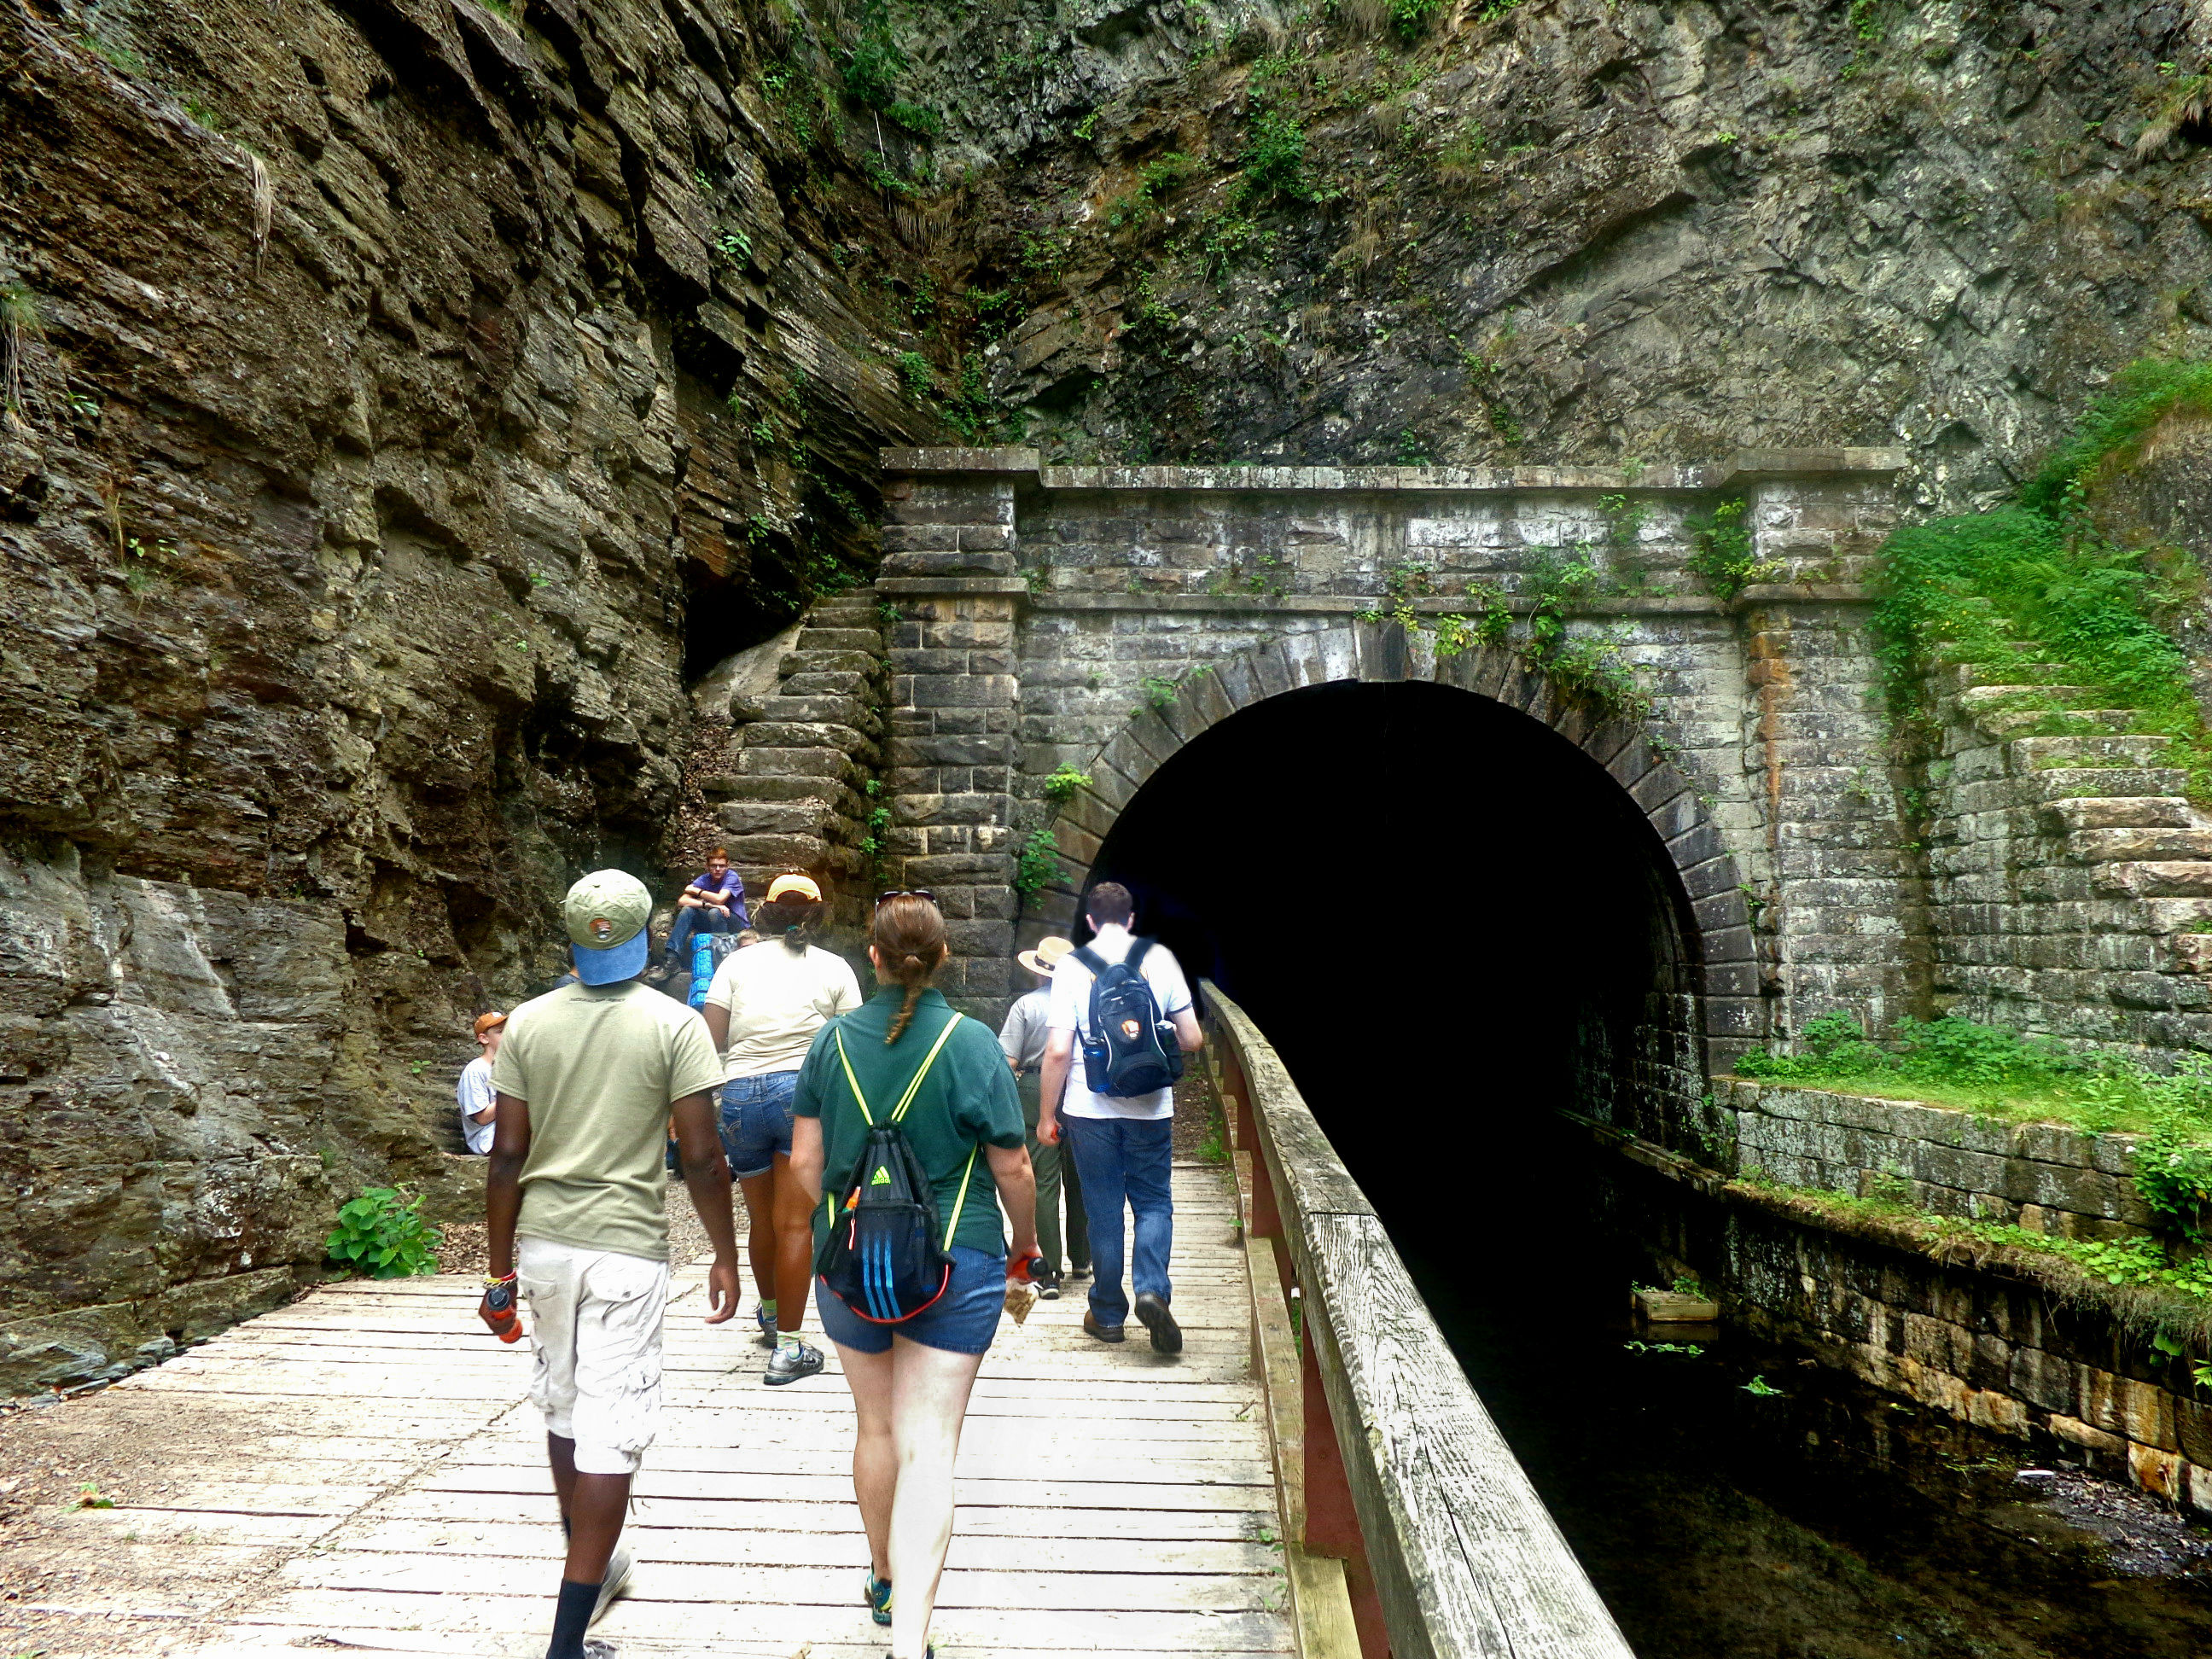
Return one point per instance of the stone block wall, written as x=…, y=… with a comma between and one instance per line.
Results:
x=2038, y=1175
x=1095, y=617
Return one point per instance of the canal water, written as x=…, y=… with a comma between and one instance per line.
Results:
x=1817, y=1520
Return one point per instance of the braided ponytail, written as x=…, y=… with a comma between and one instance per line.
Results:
x=909, y=943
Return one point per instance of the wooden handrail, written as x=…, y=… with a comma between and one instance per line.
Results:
x=1463, y=1557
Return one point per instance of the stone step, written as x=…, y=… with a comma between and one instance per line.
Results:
x=2132, y=845
x=2122, y=812
x=1959, y=677
x=862, y=716
x=810, y=684
x=827, y=662
x=2158, y=878
x=804, y=734
x=765, y=761
x=2003, y=723
x=761, y=818
x=1978, y=697
x=2049, y=754
x=2058, y=783
x=812, y=638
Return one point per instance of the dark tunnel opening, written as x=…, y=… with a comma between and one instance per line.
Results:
x=1449, y=919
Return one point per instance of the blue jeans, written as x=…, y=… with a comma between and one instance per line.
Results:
x=698, y=919
x=961, y=1321
x=756, y=1122
x=1124, y=1158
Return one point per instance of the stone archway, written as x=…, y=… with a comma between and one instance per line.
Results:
x=1719, y=922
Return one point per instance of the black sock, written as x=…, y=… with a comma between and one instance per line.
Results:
x=571, y=1619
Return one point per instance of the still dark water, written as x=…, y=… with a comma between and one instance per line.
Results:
x=1825, y=1523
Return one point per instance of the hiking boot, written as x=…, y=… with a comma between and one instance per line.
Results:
x=1049, y=1288
x=878, y=1594
x=1103, y=1333
x=790, y=1365
x=616, y=1582
x=1167, y=1335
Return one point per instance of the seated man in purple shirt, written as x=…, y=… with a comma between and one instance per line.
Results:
x=714, y=904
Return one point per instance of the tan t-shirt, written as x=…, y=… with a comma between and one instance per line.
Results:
x=777, y=1001
x=599, y=1067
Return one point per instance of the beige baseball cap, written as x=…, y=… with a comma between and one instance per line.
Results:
x=794, y=885
x=606, y=914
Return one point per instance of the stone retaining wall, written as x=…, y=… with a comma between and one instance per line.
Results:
x=2040, y=1176
x=1975, y=1338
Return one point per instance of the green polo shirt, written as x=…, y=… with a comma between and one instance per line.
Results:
x=966, y=1101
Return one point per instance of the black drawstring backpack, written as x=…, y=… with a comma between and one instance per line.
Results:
x=883, y=1255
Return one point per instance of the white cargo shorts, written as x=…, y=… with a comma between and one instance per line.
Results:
x=595, y=1315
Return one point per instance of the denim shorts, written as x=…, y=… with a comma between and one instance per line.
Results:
x=961, y=1321
x=756, y=1121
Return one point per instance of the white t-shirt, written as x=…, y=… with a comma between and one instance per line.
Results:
x=1071, y=1012
x=777, y=1001
x=474, y=1092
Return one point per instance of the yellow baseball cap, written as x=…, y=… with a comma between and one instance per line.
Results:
x=794, y=886
x=606, y=914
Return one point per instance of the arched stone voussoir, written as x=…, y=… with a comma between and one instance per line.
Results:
x=1711, y=889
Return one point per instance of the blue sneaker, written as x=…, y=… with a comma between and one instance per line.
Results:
x=766, y=1320
x=878, y=1592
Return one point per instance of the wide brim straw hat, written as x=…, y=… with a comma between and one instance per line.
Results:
x=1044, y=961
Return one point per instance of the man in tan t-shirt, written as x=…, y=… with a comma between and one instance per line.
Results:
x=587, y=1081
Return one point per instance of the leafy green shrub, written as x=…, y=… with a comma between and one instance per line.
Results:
x=1410, y=18
x=1720, y=551
x=873, y=64
x=1275, y=153
x=1064, y=781
x=383, y=1235
x=916, y=378
x=1037, y=866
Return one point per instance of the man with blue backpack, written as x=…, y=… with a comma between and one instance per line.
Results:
x=1122, y=1002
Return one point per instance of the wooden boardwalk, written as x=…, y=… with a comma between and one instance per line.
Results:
x=372, y=1452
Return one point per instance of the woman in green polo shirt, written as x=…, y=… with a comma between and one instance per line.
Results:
x=911, y=1381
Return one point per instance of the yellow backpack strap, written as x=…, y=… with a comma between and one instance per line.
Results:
x=960, y=1203
x=853, y=1083
x=913, y=1088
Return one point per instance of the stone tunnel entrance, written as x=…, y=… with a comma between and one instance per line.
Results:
x=1449, y=920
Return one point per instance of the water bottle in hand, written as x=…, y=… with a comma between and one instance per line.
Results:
x=500, y=1313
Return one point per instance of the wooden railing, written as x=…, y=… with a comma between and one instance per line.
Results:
x=1410, y=1527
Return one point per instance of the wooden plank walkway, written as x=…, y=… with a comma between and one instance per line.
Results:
x=387, y=1479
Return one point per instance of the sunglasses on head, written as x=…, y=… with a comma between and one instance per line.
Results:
x=882, y=899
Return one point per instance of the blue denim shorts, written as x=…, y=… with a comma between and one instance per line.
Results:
x=756, y=1121
x=961, y=1321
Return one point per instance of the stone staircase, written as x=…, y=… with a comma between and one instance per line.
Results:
x=2071, y=866
x=806, y=746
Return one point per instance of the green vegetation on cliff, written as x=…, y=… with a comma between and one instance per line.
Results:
x=2033, y=591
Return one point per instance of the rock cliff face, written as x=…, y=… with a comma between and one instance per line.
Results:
x=1568, y=229
x=406, y=400
x=398, y=401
